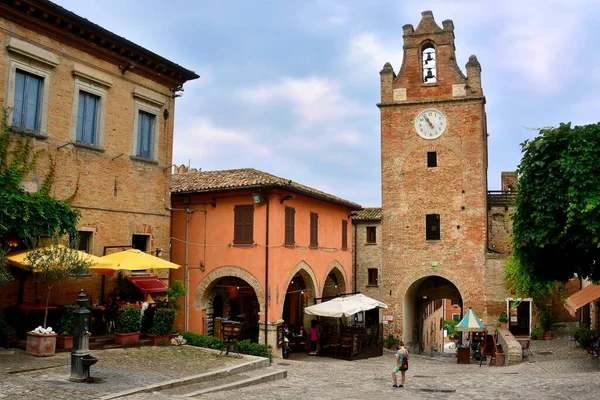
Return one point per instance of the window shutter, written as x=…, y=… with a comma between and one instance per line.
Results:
x=238, y=225
x=290, y=216
x=344, y=234
x=314, y=230
x=248, y=231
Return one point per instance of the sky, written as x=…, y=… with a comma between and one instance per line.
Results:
x=291, y=87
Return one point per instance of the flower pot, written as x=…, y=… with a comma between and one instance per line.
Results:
x=127, y=339
x=548, y=335
x=64, y=342
x=504, y=325
x=156, y=340
x=41, y=344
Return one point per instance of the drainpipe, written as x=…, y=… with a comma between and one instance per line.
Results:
x=354, y=256
x=267, y=272
x=186, y=272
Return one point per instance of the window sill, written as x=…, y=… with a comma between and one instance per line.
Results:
x=144, y=160
x=32, y=134
x=429, y=84
x=372, y=285
x=290, y=246
x=88, y=146
x=371, y=244
x=314, y=247
x=243, y=245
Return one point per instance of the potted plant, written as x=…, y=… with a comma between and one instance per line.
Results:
x=391, y=342
x=546, y=323
x=537, y=333
x=175, y=291
x=161, y=325
x=8, y=334
x=53, y=264
x=66, y=328
x=129, y=322
x=503, y=319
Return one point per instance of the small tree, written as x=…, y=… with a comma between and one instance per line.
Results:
x=175, y=291
x=57, y=263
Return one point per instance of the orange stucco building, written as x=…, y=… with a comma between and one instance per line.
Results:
x=257, y=248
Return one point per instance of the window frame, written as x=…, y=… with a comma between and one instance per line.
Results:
x=290, y=226
x=43, y=73
x=456, y=319
x=344, y=234
x=432, y=159
x=433, y=234
x=371, y=282
x=153, y=109
x=368, y=231
x=87, y=86
x=89, y=233
x=314, y=230
x=243, y=223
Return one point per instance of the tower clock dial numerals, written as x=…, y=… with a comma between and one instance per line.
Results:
x=430, y=124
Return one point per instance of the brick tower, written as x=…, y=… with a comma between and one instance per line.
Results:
x=434, y=165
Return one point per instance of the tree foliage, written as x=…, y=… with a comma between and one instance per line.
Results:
x=556, y=224
x=56, y=263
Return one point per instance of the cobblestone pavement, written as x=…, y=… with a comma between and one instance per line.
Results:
x=27, y=377
x=554, y=371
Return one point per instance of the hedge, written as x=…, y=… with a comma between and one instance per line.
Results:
x=243, y=346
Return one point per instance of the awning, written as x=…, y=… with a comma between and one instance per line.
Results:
x=581, y=298
x=344, y=306
x=470, y=323
x=148, y=284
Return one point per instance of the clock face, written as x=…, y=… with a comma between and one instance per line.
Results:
x=430, y=124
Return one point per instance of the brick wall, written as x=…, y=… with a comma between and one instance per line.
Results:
x=117, y=196
x=367, y=255
x=500, y=229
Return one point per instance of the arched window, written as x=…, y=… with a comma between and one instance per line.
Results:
x=429, y=63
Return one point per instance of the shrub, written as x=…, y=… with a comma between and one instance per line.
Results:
x=536, y=332
x=391, y=341
x=546, y=320
x=129, y=320
x=163, y=322
x=584, y=336
x=243, y=346
x=66, y=325
x=503, y=317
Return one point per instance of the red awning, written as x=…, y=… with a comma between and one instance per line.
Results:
x=148, y=284
x=583, y=297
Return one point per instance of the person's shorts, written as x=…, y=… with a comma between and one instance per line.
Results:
x=397, y=369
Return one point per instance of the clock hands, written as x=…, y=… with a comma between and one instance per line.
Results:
x=428, y=121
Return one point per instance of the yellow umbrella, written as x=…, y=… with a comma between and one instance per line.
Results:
x=19, y=259
x=134, y=259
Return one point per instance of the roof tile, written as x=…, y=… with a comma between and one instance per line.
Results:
x=367, y=214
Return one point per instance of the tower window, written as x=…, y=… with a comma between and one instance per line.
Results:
x=373, y=277
x=431, y=159
x=429, y=63
x=432, y=227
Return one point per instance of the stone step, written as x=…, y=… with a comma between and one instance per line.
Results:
x=234, y=381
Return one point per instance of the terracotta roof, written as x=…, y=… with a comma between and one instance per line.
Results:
x=367, y=214
x=244, y=179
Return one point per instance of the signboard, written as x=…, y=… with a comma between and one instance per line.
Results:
x=388, y=317
x=513, y=318
x=385, y=322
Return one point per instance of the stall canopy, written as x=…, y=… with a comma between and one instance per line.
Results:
x=344, y=306
x=581, y=298
x=470, y=323
x=134, y=260
x=148, y=284
x=19, y=259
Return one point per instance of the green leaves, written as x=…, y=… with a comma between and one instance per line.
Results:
x=556, y=225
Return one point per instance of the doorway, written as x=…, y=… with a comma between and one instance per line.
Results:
x=519, y=317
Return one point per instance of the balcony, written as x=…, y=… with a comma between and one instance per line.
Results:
x=501, y=198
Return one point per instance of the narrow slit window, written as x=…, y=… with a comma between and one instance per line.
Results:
x=432, y=227
x=429, y=63
x=371, y=234
x=431, y=159
x=373, y=278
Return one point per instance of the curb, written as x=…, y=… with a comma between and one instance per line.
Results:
x=248, y=366
x=270, y=377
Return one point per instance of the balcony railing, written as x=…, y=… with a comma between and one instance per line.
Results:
x=501, y=198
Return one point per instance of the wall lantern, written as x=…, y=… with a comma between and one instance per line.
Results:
x=258, y=198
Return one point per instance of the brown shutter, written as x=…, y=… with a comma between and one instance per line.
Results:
x=290, y=219
x=344, y=234
x=314, y=230
x=243, y=232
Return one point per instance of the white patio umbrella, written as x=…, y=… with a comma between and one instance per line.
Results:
x=344, y=306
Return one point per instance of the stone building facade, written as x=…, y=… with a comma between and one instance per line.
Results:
x=100, y=109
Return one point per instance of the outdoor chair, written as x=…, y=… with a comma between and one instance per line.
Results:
x=230, y=332
x=346, y=344
x=525, y=347
x=332, y=345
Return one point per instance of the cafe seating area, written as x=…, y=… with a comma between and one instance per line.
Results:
x=354, y=342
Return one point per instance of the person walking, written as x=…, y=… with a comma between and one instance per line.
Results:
x=401, y=365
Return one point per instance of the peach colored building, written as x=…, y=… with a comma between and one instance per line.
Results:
x=257, y=248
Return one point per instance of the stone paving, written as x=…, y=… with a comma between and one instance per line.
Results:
x=554, y=371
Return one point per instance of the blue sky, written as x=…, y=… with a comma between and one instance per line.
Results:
x=290, y=87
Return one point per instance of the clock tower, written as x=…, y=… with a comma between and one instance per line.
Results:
x=434, y=180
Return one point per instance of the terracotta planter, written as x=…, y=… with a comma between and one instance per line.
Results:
x=173, y=335
x=504, y=325
x=40, y=344
x=127, y=339
x=548, y=335
x=156, y=340
x=64, y=342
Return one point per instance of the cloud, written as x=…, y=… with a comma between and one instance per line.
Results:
x=314, y=100
x=367, y=54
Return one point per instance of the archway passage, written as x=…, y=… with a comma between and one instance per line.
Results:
x=428, y=303
x=234, y=299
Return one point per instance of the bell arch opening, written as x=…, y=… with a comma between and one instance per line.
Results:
x=428, y=303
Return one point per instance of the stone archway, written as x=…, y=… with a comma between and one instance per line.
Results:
x=202, y=296
x=341, y=279
x=308, y=292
